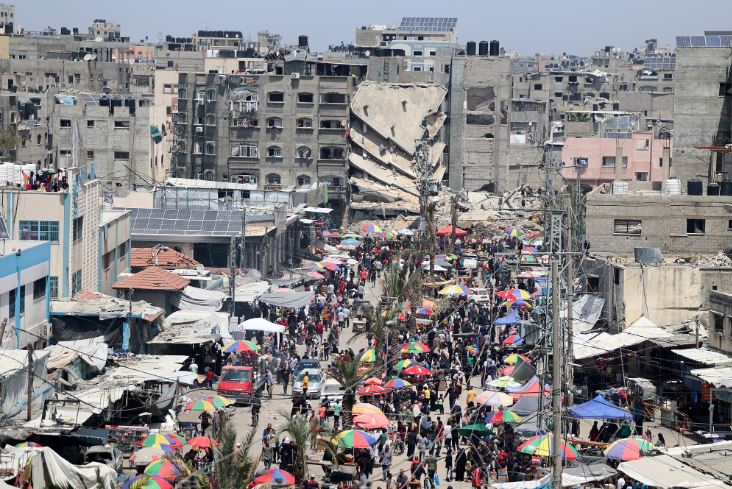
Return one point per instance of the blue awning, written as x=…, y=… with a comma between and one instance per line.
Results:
x=511, y=318
x=599, y=408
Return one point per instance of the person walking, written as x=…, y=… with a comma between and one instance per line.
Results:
x=386, y=456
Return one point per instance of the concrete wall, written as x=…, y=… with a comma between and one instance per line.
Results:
x=720, y=305
x=114, y=248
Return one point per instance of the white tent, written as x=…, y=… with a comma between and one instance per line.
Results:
x=260, y=324
x=665, y=472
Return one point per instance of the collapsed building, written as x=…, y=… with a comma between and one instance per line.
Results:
x=388, y=121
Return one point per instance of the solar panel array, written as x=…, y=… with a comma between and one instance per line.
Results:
x=186, y=222
x=664, y=63
x=428, y=24
x=714, y=41
x=89, y=98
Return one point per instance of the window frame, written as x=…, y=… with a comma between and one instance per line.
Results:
x=39, y=284
x=53, y=287
x=690, y=221
x=628, y=224
x=12, y=294
x=39, y=231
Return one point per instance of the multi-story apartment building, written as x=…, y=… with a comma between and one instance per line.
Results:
x=7, y=19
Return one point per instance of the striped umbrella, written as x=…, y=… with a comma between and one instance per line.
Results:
x=164, y=469
x=425, y=311
x=514, y=357
x=543, y=446
x=373, y=381
x=628, y=449
x=415, y=347
x=369, y=356
x=455, y=290
x=513, y=232
x=28, y=444
x=241, y=346
x=276, y=476
x=514, y=340
x=417, y=371
x=219, y=401
x=402, y=364
x=494, y=398
x=200, y=406
x=371, y=390
x=162, y=439
x=353, y=439
x=371, y=421
x=505, y=417
x=397, y=384
x=373, y=228
x=146, y=481
x=365, y=408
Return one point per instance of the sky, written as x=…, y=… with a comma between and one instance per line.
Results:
x=524, y=26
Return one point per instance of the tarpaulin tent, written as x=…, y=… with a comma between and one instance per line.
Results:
x=510, y=318
x=447, y=231
x=665, y=472
x=531, y=388
x=599, y=408
x=290, y=300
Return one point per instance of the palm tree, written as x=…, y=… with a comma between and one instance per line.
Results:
x=232, y=472
x=347, y=375
x=298, y=429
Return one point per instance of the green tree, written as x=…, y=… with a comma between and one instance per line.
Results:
x=8, y=141
x=347, y=375
x=232, y=472
x=298, y=429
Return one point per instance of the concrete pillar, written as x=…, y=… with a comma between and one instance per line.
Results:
x=619, y=173
x=666, y=159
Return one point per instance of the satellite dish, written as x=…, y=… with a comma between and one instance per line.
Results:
x=367, y=53
x=89, y=57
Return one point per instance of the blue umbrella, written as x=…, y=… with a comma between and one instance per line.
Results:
x=351, y=241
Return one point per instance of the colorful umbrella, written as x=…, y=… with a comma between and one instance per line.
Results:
x=371, y=390
x=514, y=357
x=373, y=228
x=530, y=250
x=353, y=439
x=402, y=364
x=219, y=401
x=164, y=469
x=447, y=231
x=315, y=275
x=369, y=356
x=313, y=265
x=371, y=421
x=145, y=481
x=200, y=406
x=474, y=429
x=543, y=446
x=277, y=477
x=387, y=235
x=329, y=265
x=351, y=241
x=514, y=340
x=203, y=442
x=513, y=232
x=505, y=417
x=417, y=371
x=28, y=444
x=365, y=408
x=373, y=381
x=424, y=311
x=494, y=398
x=162, y=439
x=241, y=346
x=453, y=290
x=397, y=384
x=150, y=454
x=628, y=449
x=504, y=383
x=415, y=347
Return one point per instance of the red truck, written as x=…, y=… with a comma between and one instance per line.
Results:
x=239, y=384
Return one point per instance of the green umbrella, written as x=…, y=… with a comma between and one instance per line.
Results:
x=477, y=429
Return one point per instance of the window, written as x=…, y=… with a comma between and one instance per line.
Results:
x=22, y=300
x=76, y=283
x=274, y=122
x=616, y=275
x=167, y=88
x=695, y=226
x=558, y=79
x=39, y=230
x=303, y=180
x=78, y=229
x=331, y=124
x=668, y=76
x=107, y=259
x=122, y=251
x=417, y=53
x=89, y=123
x=210, y=120
x=305, y=98
x=537, y=86
x=609, y=161
x=39, y=288
x=725, y=89
x=274, y=179
x=641, y=176
x=642, y=144
x=333, y=98
x=274, y=152
x=627, y=226
x=65, y=123
x=53, y=287
x=276, y=97
x=304, y=153
x=331, y=153
x=211, y=95
x=121, y=155
x=210, y=148
x=121, y=124
x=12, y=297
x=245, y=151
x=182, y=93
x=670, y=162
x=90, y=155
x=718, y=323
x=304, y=123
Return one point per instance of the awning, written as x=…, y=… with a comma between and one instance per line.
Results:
x=717, y=376
x=599, y=408
x=594, y=345
x=318, y=210
x=192, y=327
x=705, y=356
x=586, y=312
x=196, y=299
x=665, y=472
x=250, y=291
x=260, y=324
x=290, y=300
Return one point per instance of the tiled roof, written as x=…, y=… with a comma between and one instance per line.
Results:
x=166, y=258
x=153, y=278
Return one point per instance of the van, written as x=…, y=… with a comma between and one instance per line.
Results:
x=239, y=383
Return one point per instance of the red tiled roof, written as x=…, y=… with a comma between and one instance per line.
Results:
x=166, y=258
x=153, y=278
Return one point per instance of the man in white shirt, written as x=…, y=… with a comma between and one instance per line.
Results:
x=621, y=483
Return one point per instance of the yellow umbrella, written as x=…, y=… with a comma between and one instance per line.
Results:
x=366, y=408
x=455, y=289
x=369, y=356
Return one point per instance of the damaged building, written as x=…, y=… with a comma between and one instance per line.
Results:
x=387, y=121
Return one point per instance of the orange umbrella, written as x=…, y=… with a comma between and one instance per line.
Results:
x=373, y=381
x=203, y=442
x=371, y=421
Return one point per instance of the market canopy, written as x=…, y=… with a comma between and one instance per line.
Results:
x=665, y=472
x=261, y=324
x=599, y=408
x=447, y=231
x=290, y=300
x=510, y=318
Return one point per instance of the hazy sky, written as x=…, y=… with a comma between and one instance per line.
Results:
x=526, y=26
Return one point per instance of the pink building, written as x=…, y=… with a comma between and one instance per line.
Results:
x=641, y=158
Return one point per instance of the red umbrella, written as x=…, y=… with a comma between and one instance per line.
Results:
x=203, y=442
x=371, y=421
x=316, y=275
x=417, y=371
x=275, y=476
x=371, y=390
x=373, y=381
x=447, y=231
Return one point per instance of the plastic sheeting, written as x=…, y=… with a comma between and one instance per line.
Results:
x=599, y=408
x=196, y=299
x=665, y=472
x=289, y=300
x=14, y=377
x=48, y=469
x=92, y=351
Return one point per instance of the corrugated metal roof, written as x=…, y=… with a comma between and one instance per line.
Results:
x=705, y=356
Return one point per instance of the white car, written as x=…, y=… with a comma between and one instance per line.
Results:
x=315, y=379
x=332, y=390
x=480, y=295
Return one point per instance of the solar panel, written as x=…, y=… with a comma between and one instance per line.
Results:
x=698, y=42
x=428, y=24
x=3, y=229
x=713, y=42
x=683, y=42
x=726, y=41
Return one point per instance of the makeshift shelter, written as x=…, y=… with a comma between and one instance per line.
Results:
x=532, y=388
x=599, y=408
x=46, y=468
x=665, y=472
x=195, y=299
x=510, y=318
x=289, y=300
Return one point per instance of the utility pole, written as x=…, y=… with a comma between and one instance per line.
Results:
x=233, y=261
x=453, y=221
x=556, y=378
x=569, y=357
x=29, y=390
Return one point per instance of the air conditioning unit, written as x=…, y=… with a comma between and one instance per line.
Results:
x=295, y=75
x=199, y=129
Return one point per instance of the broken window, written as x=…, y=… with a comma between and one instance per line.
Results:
x=538, y=86
x=275, y=122
x=641, y=176
x=305, y=98
x=578, y=117
x=331, y=124
x=479, y=119
x=274, y=179
x=695, y=226
x=330, y=153
x=121, y=124
x=481, y=98
x=274, y=152
x=333, y=98
x=276, y=97
x=245, y=151
x=303, y=180
x=627, y=226
x=304, y=123
x=65, y=122
x=304, y=153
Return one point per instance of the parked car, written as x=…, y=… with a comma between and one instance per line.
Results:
x=469, y=261
x=305, y=363
x=315, y=379
x=104, y=454
x=480, y=295
x=239, y=383
x=332, y=390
